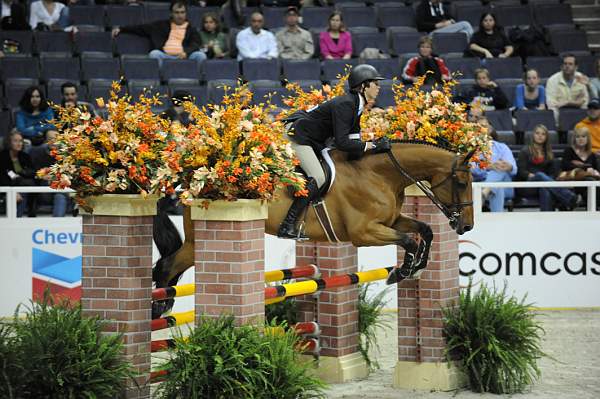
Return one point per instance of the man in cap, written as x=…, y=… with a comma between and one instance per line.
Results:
x=293, y=42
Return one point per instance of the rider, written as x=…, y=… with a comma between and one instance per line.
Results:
x=337, y=119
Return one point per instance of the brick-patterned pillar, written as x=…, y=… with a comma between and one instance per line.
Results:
x=229, y=259
x=421, y=362
x=117, y=276
x=337, y=314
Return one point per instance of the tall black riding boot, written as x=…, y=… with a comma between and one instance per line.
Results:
x=288, y=229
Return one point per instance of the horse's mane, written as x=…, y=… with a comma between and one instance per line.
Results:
x=425, y=143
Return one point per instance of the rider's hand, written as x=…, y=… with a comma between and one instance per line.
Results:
x=382, y=145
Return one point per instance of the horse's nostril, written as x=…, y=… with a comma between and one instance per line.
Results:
x=468, y=228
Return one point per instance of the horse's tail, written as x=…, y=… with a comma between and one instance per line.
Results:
x=167, y=240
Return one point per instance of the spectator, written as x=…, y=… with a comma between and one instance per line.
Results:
x=531, y=94
x=536, y=163
x=485, y=93
x=567, y=88
x=578, y=160
x=592, y=123
x=426, y=62
x=213, y=41
x=170, y=39
x=41, y=158
x=49, y=15
x=434, y=17
x=70, y=98
x=293, y=42
x=13, y=16
x=34, y=115
x=336, y=42
x=254, y=41
x=176, y=112
x=594, y=84
x=490, y=40
x=16, y=168
x=503, y=168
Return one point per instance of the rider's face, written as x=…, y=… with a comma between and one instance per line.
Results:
x=372, y=91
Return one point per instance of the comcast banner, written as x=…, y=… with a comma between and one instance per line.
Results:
x=552, y=257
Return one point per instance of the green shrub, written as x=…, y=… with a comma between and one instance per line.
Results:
x=495, y=339
x=370, y=318
x=55, y=352
x=220, y=360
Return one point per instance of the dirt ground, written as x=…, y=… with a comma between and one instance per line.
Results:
x=572, y=338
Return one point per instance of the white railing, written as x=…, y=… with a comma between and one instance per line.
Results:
x=11, y=196
x=590, y=185
x=11, y=192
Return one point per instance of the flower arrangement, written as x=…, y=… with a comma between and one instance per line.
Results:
x=417, y=115
x=235, y=151
x=430, y=117
x=116, y=154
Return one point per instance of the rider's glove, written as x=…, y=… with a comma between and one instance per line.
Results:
x=381, y=145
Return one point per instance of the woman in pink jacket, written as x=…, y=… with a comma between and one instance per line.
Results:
x=336, y=42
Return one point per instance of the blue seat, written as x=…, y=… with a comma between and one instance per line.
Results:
x=135, y=88
x=140, y=68
x=24, y=38
x=360, y=41
x=180, y=69
x=100, y=68
x=464, y=66
x=274, y=17
x=93, y=41
x=261, y=89
x=332, y=68
x=195, y=14
x=131, y=44
x=513, y=15
x=158, y=11
x=260, y=69
x=574, y=42
x=402, y=42
x=358, y=16
x=53, y=68
x=388, y=68
x=18, y=67
x=470, y=13
x=546, y=66
x=220, y=69
x=527, y=120
x=86, y=15
x=392, y=14
x=199, y=93
x=316, y=17
x=553, y=14
x=124, y=15
x=386, y=95
x=53, y=42
x=444, y=43
x=100, y=88
x=568, y=118
x=503, y=68
x=301, y=69
x=216, y=89
x=500, y=119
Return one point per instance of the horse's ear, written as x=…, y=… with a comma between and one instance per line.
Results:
x=468, y=157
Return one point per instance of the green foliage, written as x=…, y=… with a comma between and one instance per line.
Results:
x=370, y=318
x=55, y=352
x=286, y=310
x=220, y=360
x=495, y=339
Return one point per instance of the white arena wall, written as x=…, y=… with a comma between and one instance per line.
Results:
x=554, y=258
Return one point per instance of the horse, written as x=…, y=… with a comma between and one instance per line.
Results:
x=364, y=206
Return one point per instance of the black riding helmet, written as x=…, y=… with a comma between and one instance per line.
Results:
x=362, y=73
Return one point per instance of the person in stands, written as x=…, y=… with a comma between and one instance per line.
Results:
x=426, y=63
x=16, y=169
x=490, y=41
x=174, y=39
x=34, y=115
x=485, y=93
x=255, y=42
x=435, y=17
x=213, y=40
x=336, y=42
x=530, y=94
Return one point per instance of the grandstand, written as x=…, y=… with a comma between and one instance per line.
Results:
x=92, y=58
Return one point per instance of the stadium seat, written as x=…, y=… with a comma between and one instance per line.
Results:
x=274, y=17
x=100, y=68
x=53, y=42
x=509, y=88
x=53, y=68
x=393, y=14
x=450, y=42
x=546, y=66
x=220, y=69
x=18, y=67
x=140, y=68
x=301, y=69
x=180, y=69
x=216, y=89
x=527, y=120
x=361, y=41
x=568, y=118
x=388, y=68
x=358, y=16
x=470, y=13
x=506, y=136
x=195, y=14
x=261, y=69
x=464, y=66
x=402, y=42
x=332, y=68
x=316, y=17
x=93, y=41
x=386, y=95
x=513, y=15
x=131, y=44
x=574, y=42
x=137, y=87
x=86, y=15
x=199, y=93
x=159, y=11
x=262, y=88
x=505, y=68
x=500, y=119
x=124, y=15
x=14, y=89
x=100, y=88
x=553, y=14
x=24, y=38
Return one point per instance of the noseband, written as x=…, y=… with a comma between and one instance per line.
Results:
x=453, y=211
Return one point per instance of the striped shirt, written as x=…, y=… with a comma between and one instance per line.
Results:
x=174, y=44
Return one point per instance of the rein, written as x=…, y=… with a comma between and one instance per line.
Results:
x=453, y=212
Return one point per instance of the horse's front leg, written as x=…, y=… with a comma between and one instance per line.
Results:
x=421, y=255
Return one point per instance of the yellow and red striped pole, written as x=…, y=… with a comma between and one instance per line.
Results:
x=275, y=293
x=174, y=319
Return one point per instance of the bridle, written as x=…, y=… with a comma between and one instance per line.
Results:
x=453, y=211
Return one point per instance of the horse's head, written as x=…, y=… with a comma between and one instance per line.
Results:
x=452, y=187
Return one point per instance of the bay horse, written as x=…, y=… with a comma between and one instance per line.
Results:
x=364, y=205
